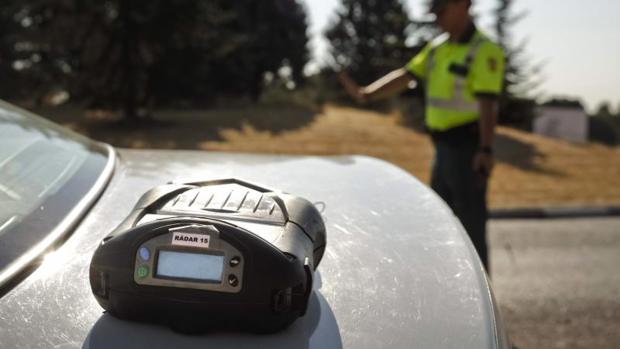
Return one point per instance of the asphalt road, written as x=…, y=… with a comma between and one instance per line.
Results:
x=558, y=281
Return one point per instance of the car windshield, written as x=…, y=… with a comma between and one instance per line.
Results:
x=46, y=175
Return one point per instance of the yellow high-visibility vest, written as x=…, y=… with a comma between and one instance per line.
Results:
x=455, y=75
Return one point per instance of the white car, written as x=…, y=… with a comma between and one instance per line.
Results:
x=399, y=270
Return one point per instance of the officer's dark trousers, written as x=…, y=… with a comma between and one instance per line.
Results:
x=455, y=180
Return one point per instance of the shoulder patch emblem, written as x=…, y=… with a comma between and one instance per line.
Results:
x=492, y=63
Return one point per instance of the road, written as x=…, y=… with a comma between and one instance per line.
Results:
x=558, y=281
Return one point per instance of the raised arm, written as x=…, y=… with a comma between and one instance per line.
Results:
x=390, y=85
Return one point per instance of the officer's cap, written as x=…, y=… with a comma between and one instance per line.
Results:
x=435, y=6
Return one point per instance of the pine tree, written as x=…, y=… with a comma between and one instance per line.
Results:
x=125, y=54
x=272, y=36
x=9, y=27
x=518, y=73
x=368, y=37
x=30, y=61
x=520, y=78
x=604, y=110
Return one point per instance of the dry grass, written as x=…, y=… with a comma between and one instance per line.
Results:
x=531, y=170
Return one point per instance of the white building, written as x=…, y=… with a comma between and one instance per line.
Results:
x=564, y=122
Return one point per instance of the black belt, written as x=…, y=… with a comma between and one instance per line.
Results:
x=464, y=134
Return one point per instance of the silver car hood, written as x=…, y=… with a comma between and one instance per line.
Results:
x=398, y=272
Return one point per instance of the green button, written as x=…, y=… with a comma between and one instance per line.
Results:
x=143, y=272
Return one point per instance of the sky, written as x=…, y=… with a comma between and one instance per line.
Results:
x=577, y=41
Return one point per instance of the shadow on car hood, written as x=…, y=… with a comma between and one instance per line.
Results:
x=398, y=271
x=318, y=329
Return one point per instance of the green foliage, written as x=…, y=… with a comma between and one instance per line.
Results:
x=519, y=74
x=26, y=62
x=368, y=38
x=520, y=79
x=604, y=125
x=129, y=54
x=604, y=110
x=563, y=102
x=272, y=36
x=8, y=55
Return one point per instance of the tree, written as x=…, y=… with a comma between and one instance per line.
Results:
x=604, y=126
x=9, y=26
x=27, y=60
x=272, y=36
x=231, y=47
x=519, y=80
x=519, y=74
x=368, y=37
x=604, y=110
x=126, y=54
x=188, y=39
x=94, y=49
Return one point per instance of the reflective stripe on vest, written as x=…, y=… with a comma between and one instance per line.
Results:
x=458, y=101
x=456, y=104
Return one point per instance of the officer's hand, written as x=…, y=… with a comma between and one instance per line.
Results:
x=353, y=89
x=483, y=164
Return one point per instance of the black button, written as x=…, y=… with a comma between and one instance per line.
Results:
x=235, y=261
x=232, y=280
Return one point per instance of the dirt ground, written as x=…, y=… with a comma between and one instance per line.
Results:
x=531, y=170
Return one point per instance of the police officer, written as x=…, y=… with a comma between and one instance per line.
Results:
x=463, y=72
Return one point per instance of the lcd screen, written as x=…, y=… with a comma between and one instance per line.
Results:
x=184, y=265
